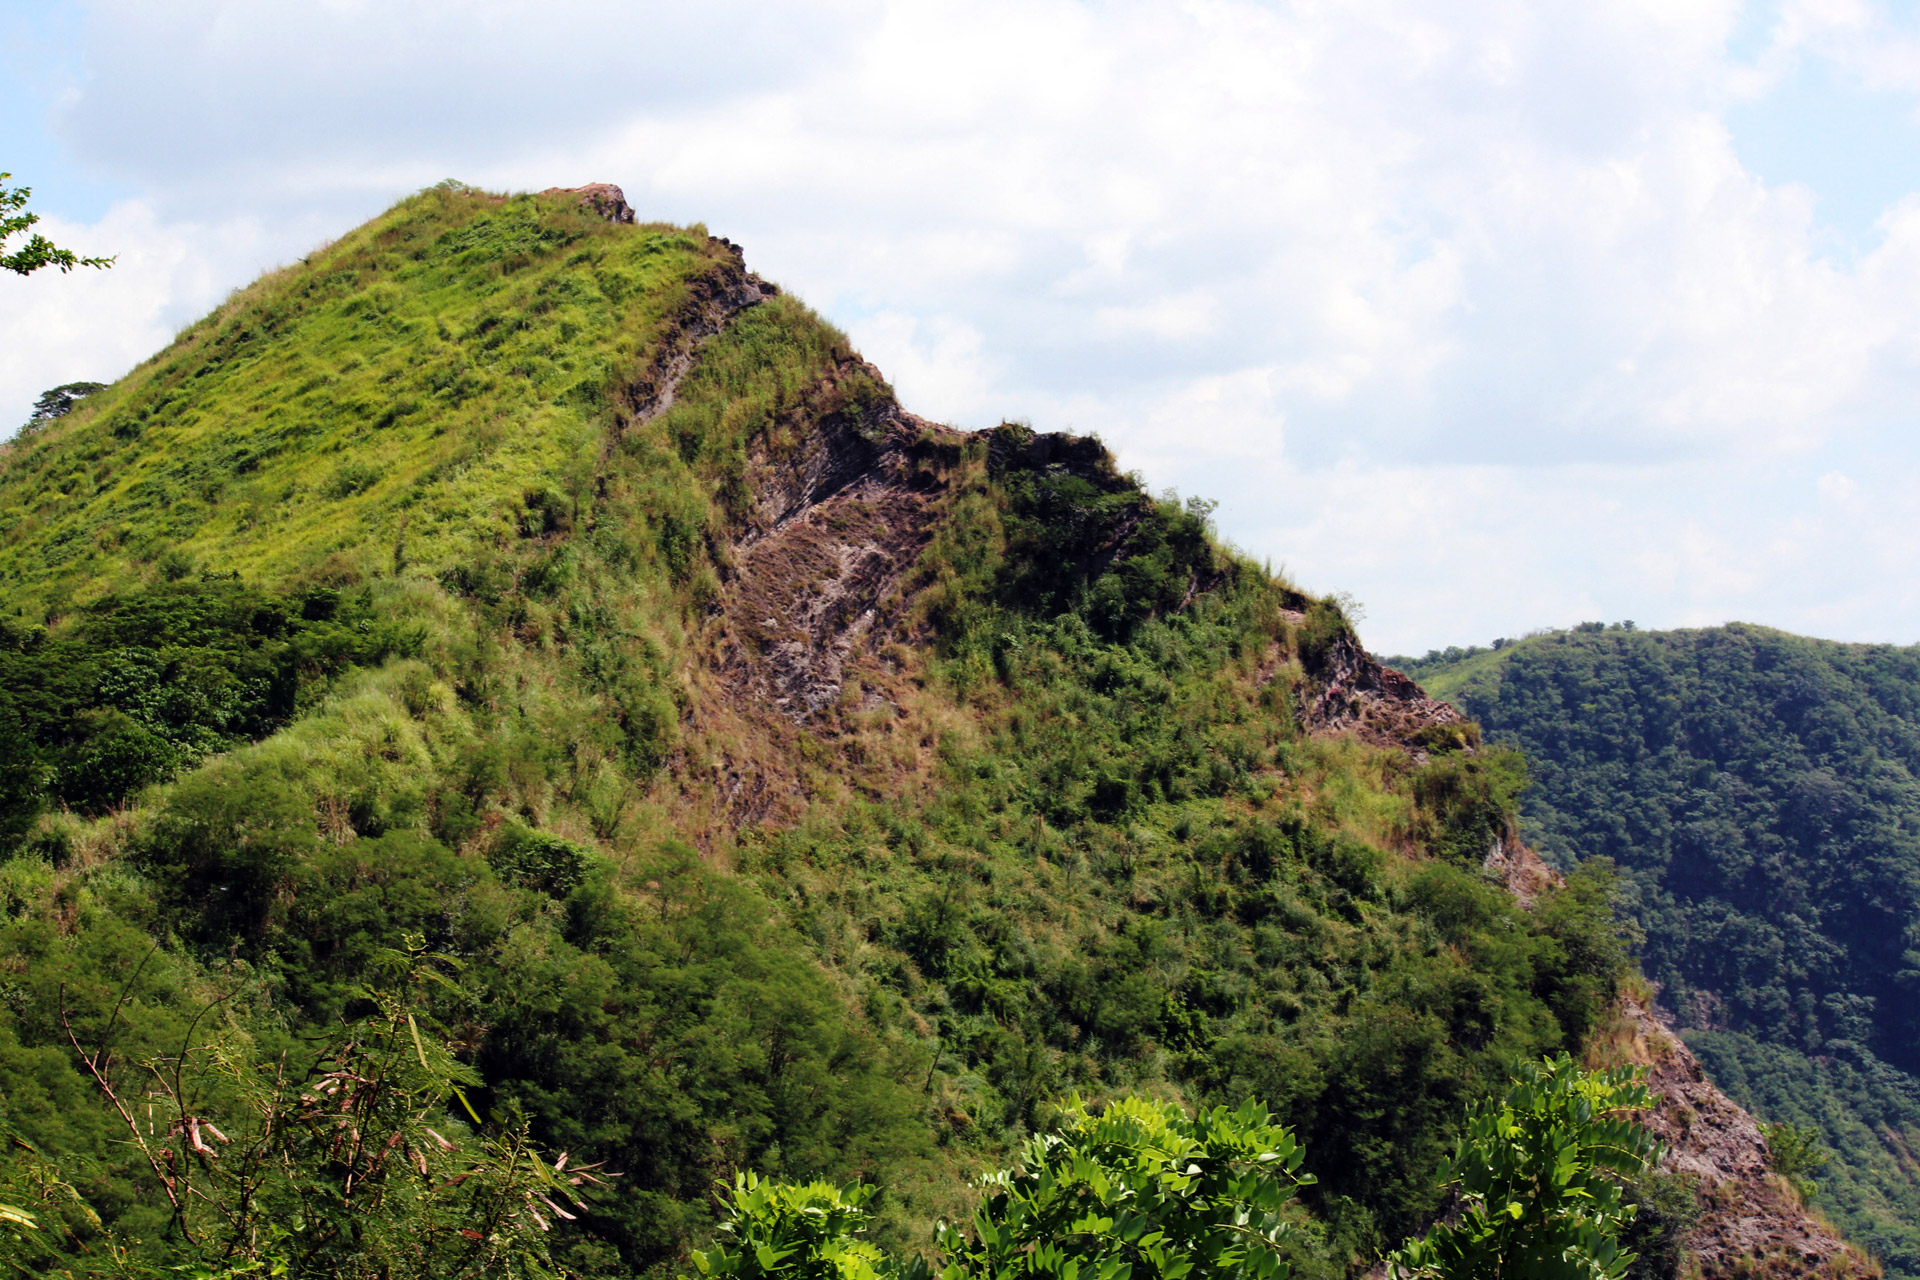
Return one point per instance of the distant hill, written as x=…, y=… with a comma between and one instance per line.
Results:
x=1762, y=793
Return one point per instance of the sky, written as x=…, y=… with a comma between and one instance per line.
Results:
x=1493, y=315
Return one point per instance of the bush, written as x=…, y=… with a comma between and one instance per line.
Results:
x=795, y=1231
x=537, y=860
x=1796, y=1154
x=1467, y=802
x=225, y=849
x=1138, y=1190
x=1540, y=1179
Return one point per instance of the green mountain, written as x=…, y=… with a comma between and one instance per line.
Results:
x=1761, y=794
x=518, y=683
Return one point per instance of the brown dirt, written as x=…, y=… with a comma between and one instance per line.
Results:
x=831, y=535
x=801, y=639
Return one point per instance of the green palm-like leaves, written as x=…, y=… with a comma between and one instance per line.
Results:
x=1539, y=1179
x=1137, y=1191
x=797, y=1231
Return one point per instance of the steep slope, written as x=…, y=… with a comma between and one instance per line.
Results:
x=790, y=783
x=1760, y=792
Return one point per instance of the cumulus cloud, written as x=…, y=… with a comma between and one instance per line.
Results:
x=1470, y=307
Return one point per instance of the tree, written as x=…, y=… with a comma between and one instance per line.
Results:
x=58, y=401
x=38, y=251
x=1795, y=1154
x=1539, y=1181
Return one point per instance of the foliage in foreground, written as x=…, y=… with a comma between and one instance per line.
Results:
x=1142, y=1191
x=322, y=1159
x=1137, y=1190
x=1540, y=1181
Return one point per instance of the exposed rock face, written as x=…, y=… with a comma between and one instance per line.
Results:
x=1752, y=1223
x=834, y=524
x=712, y=301
x=1521, y=870
x=1012, y=447
x=605, y=199
x=1352, y=692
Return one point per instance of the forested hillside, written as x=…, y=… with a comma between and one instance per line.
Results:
x=516, y=683
x=1761, y=793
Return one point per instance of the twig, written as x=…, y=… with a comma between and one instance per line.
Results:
x=133, y=1126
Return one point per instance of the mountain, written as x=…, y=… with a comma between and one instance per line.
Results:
x=520, y=649
x=1761, y=794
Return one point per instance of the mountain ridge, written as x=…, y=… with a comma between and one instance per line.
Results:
x=801, y=785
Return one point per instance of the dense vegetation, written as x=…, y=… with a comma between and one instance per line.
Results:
x=1142, y=1189
x=1760, y=793
x=460, y=702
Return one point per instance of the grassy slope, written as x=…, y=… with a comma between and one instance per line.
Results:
x=1760, y=789
x=1088, y=847
x=395, y=395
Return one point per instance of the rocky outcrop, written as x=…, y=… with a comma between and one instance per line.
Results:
x=605, y=199
x=835, y=520
x=1012, y=446
x=712, y=300
x=1349, y=691
x=1519, y=868
x=1752, y=1223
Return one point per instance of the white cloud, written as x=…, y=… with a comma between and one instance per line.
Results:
x=1838, y=488
x=935, y=365
x=1467, y=306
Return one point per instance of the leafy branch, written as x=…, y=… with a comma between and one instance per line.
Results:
x=38, y=251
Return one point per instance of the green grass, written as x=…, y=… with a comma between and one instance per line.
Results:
x=390, y=401
x=1446, y=682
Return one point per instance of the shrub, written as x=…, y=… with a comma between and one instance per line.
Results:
x=1138, y=1190
x=1796, y=1154
x=537, y=860
x=1540, y=1178
x=795, y=1231
x=226, y=847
